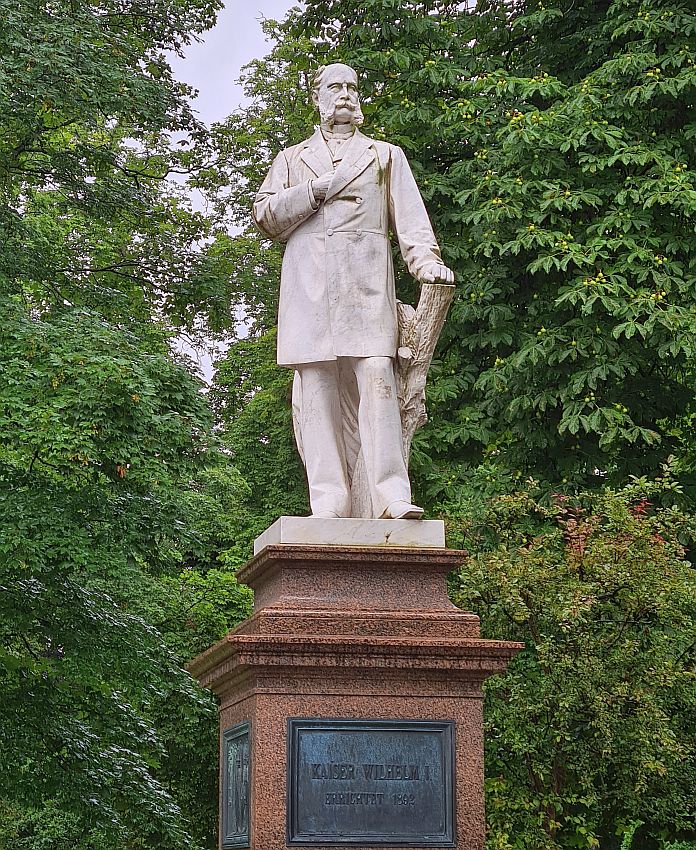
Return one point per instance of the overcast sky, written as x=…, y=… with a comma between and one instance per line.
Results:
x=213, y=65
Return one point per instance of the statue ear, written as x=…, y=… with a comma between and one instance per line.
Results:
x=315, y=97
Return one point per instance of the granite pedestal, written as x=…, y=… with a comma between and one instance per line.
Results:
x=350, y=702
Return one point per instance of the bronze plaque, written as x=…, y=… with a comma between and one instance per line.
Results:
x=236, y=777
x=371, y=782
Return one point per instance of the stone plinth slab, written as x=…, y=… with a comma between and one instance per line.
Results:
x=351, y=578
x=419, y=534
x=359, y=634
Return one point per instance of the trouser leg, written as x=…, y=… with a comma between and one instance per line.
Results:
x=322, y=439
x=380, y=432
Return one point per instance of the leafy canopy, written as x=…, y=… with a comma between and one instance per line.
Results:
x=592, y=728
x=107, y=462
x=554, y=143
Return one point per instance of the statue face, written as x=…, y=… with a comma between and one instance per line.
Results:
x=337, y=97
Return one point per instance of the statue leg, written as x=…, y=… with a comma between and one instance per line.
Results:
x=380, y=432
x=322, y=439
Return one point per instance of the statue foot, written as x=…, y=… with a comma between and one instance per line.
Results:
x=325, y=515
x=402, y=510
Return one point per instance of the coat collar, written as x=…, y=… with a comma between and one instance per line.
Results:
x=316, y=155
x=358, y=155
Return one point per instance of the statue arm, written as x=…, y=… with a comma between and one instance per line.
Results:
x=409, y=219
x=278, y=207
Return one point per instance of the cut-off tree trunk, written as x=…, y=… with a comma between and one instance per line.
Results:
x=419, y=331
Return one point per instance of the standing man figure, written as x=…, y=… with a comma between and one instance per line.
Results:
x=333, y=199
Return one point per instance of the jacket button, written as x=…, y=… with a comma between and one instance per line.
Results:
x=329, y=232
x=358, y=200
x=358, y=232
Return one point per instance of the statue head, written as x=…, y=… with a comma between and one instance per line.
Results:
x=335, y=94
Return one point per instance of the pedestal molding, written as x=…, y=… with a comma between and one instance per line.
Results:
x=337, y=557
x=358, y=632
x=358, y=652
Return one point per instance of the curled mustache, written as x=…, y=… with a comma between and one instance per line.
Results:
x=327, y=115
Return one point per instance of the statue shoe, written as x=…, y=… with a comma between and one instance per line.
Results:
x=402, y=510
x=325, y=515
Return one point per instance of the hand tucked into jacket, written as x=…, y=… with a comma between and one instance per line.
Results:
x=321, y=185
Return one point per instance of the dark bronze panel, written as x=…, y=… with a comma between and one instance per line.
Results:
x=236, y=776
x=371, y=782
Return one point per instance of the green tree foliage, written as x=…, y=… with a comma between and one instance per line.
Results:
x=593, y=726
x=554, y=143
x=110, y=516
x=88, y=106
x=251, y=395
x=96, y=434
x=252, y=400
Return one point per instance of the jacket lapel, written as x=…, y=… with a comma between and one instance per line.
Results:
x=316, y=155
x=355, y=160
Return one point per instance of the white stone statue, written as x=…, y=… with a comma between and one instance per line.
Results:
x=333, y=199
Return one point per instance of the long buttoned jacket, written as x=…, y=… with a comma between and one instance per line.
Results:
x=337, y=294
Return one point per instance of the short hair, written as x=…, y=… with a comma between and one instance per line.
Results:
x=316, y=80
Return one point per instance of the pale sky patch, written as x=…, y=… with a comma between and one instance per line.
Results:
x=213, y=65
